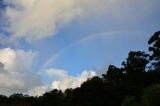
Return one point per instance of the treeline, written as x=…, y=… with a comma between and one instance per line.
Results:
x=135, y=83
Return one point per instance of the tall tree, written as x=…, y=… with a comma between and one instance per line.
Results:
x=134, y=67
x=113, y=74
x=154, y=41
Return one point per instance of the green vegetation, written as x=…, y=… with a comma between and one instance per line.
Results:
x=136, y=83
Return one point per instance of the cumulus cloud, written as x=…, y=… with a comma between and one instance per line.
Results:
x=16, y=74
x=38, y=19
x=65, y=81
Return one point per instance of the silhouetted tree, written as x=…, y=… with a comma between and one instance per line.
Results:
x=96, y=92
x=134, y=67
x=51, y=98
x=155, y=49
x=154, y=72
x=113, y=74
x=3, y=99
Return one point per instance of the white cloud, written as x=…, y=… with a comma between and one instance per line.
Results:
x=16, y=74
x=65, y=81
x=57, y=72
x=38, y=19
x=38, y=91
x=18, y=60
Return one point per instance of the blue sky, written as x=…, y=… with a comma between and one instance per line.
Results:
x=60, y=42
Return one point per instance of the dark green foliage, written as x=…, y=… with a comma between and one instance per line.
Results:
x=129, y=101
x=135, y=63
x=129, y=85
x=151, y=96
x=95, y=92
x=3, y=99
x=51, y=98
x=114, y=74
x=134, y=67
x=154, y=41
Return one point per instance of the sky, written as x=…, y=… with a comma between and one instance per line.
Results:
x=59, y=44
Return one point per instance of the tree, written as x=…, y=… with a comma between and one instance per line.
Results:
x=134, y=67
x=113, y=74
x=3, y=99
x=151, y=96
x=129, y=101
x=154, y=41
x=51, y=98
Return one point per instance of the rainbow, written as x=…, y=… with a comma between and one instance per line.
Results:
x=54, y=56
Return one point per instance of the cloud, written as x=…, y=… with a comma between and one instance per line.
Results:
x=6, y=41
x=38, y=91
x=65, y=81
x=38, y=19
x=57, y=72
x=16, y=74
